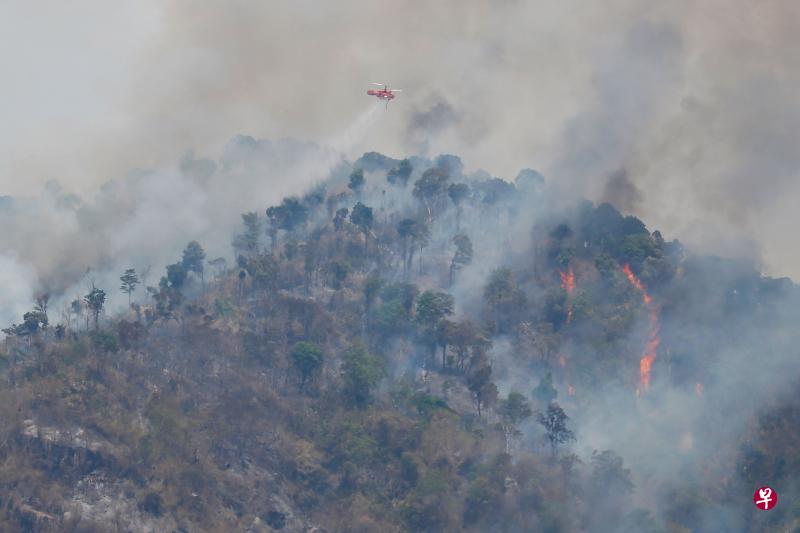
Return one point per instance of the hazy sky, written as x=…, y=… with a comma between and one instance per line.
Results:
x=695, y=100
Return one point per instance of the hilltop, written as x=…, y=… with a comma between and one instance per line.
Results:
x=410, y=347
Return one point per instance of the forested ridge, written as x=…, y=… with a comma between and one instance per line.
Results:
x=410, y=347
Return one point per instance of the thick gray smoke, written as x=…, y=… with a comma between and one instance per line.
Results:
x=61, y=243
x=696, y=100
x=684, y=112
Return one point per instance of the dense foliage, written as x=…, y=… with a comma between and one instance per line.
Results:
x=406, y=348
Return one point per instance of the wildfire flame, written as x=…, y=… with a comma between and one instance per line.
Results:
x=562, y=361
x=653, y=340
x=570, y=390
x=636, y=283
x=568, y=280
x=568, y=284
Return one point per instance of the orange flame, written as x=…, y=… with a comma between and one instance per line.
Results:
x=562, y=361
x=651, y=348
x=568, y=280
x=636, y=283
x=570, y=390
x=568, y=284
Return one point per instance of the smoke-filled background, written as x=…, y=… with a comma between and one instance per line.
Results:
x=130, y=131
x=694, y=101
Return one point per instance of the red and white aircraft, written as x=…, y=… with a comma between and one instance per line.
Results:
x=383, y=94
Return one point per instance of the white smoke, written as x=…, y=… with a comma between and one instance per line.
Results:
x=16, y=288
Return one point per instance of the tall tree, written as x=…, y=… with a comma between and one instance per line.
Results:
x=356, y=183
x=458, y=192
x=406, y=229
x=362, y=217
x=32, y=322
x=41, y=307
x=361, y=372
x=513, y=411
x=95, y=301
x=479, y=382
x=176, y=275
x=431, y=188
x=77, y=307
x=505, y=300
x=432, y=306
x=465, y=336
x=554, y=421
x=306, y=359
x=399, y=175
x=129, y=282
x=340, y=218
x=193, y=258
x=372, y=286
x=445, y=330
x=289, y=215
x=463, y=255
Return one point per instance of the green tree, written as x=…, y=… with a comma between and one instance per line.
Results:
x=289, y=215
x=361, y=372
x=444, y=333
x=432, y=306
x=391, y=318
x=466, y=337
x=505, y=300
x=176, y=275
x=193, y=258
x=362, y=217
x=463, y=255
x=32, y=323
x=458, y=192
x=129, y=282
x=306, y=359
x=95, y=301
x=431, y=188
x=554, y=421
x=357, y=182
x=479, y=382
x=514, y=409
x=340, y=218
x=263, y=270
x=399, y=175
x=404, y=292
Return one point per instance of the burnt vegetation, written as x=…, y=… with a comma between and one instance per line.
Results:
x=399, y=349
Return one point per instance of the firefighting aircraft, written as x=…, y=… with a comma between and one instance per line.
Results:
x=383, y=94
